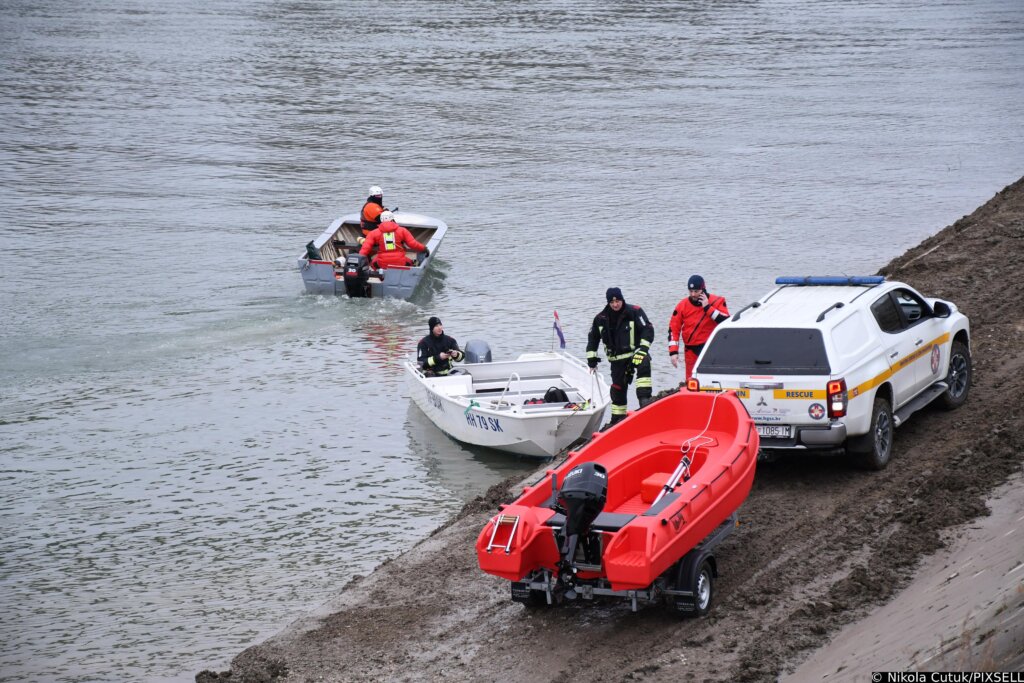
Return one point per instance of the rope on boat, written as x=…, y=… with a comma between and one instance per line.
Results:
x=683, y=470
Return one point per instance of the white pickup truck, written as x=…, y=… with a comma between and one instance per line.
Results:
x=831, y=362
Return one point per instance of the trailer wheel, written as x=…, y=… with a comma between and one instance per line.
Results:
x=537, y=601
x=703, y=590
x=702, y=587
x=529, y=598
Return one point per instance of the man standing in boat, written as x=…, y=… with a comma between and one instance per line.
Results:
x=627, y=334
x=693, y=321
x=369, y=216
x=391, y=241
x=437, y=350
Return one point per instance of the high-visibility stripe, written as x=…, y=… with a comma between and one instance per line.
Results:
x=618, y=410
x=799, y=394
x=740, y=393
x=644, y=343
x=621, y=356
x=643, y=382
x=430, y=361
x=880, y=378
x=632, y=333
x=591, y=354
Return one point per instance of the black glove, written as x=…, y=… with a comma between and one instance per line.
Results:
x=592, y=362
x=426, y=252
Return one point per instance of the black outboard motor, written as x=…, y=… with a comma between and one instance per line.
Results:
x=582, y=496
x=357, y=272
x=477, y=351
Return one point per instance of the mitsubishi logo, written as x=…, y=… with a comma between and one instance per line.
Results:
x=761, y=402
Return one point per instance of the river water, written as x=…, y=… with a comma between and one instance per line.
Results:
x=193, y=453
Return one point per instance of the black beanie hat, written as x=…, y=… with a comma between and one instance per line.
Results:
x=433, y=322
x=695, y=282
x=614, y=293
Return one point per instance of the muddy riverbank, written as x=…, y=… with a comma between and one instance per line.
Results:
x=821, y=544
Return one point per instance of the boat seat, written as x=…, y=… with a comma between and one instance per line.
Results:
x=494, y=393
x=606, y=521
x=652, y=486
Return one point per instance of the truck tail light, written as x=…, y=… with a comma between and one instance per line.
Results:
x=692, y=384
x=837, y=398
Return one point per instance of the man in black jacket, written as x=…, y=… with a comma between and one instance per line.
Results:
x=437, y=350
x=627, y=334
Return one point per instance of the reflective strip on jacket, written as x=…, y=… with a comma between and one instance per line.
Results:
x=633, y=330
x=391, y=241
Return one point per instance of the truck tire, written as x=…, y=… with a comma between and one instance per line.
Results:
x=958, y=378
x=874, y=450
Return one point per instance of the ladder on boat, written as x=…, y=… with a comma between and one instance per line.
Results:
x=503, y=523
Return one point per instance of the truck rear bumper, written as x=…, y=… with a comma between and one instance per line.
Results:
x=828, y=436
x=833, y=435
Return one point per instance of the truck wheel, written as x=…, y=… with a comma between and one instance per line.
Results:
x=873, y=450
x=958, y=378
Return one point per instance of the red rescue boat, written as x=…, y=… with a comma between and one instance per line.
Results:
x=635, y=513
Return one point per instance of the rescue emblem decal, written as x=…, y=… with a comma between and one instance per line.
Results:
x=816, y=411
x=935, y=359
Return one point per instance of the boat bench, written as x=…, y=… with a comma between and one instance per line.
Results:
x=519, y=394
x=606, y=521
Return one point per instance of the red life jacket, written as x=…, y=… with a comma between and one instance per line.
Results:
x=369, y=217
x=391, y=241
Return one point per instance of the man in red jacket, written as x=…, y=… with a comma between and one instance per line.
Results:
x=391, y=241
x=693, y=321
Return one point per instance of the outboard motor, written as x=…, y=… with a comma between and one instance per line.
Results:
x=582, y=496
x=357, y=272
x=477, y=351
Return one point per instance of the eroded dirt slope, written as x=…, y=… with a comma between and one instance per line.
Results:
x=820, y=542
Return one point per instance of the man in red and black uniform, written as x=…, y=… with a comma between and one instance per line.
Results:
x=693, y=321
x=627, y=334
x=437, y=350
x=369, y=217
x=391, y=241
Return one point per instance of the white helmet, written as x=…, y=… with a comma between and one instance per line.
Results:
x=375, y=191
x=386, y=216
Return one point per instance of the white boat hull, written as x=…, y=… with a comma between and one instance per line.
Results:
x=484, y=404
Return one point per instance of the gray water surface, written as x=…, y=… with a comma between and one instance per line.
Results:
x=193, y=452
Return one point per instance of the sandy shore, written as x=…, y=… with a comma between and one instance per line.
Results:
x=891, y=567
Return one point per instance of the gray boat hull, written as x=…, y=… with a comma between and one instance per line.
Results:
x=325, y=275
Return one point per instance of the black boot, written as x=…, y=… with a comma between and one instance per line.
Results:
x=644, y=401
x=615, y=420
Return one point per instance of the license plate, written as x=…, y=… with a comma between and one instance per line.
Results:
x=775, y=431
